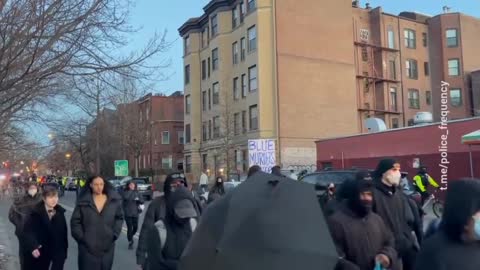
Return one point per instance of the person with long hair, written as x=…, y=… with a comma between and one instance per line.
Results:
x=132, y=206
x=217, y=191
x=96, y=224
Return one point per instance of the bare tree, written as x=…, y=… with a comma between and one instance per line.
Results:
x=48, y=46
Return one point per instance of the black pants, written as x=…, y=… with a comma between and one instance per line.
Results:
x=132, y=227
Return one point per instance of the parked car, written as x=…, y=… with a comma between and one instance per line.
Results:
x=115, y=183
x=321, y=179
x=144, y=187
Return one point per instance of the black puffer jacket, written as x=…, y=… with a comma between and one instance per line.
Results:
x=21, y=210
x=131, y=200
x=96, y=232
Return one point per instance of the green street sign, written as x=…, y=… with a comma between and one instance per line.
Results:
x=121, y=167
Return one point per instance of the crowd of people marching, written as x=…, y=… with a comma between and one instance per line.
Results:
x=374, y=225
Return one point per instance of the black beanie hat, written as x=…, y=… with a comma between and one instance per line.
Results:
x=383, y=166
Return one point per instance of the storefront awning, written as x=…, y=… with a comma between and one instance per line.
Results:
x=472, y=138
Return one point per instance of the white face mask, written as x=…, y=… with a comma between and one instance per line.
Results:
x=392, y=179
x=32, y=192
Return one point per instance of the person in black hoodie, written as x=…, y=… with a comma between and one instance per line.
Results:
x=157, y=210
x=132, y=201
x=361, y=236
x=457, y=244
x=168, y=237
x=96, y=224
x=217, y=191
x=46, y=234
x=394, y=208
x=19, y=213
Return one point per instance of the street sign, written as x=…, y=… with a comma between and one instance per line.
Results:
x=121, y=167
x=262, y=153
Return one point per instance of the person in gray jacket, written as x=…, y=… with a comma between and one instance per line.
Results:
x=132, y=207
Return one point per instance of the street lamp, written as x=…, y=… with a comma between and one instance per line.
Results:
x=22, y=163
x=68, y=155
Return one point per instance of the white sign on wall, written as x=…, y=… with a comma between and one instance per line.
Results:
x=262, y=153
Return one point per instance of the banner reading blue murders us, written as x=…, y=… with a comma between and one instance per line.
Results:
x=262, y=153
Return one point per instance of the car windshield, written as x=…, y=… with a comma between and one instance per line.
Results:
x=140, y=181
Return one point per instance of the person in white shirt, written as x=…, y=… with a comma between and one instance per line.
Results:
x=204, y=181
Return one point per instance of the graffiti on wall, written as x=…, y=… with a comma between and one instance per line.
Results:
x=299, y=158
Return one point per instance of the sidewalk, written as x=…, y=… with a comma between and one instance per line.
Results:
x=7, y=256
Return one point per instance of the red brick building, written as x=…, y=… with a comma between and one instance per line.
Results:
x=409, y=145
x=162, y=120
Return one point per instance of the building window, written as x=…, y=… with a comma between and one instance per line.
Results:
x=253, y=117
x=215, y=59
x=453, y=67
x=251, y=5
x=204, y=162
x=180, y=136
x=204, y=37
x=244, y=85
x=165, y=137
x=216, y=94
x=209, y=99
x=214, y=24
x=187, y=133
x=188, y=164
x=147, y=113
x=428, y=97
x=204, y=101
x=209, y=129
x=204, y=69
x=393, y=69
x=426, y=68
x=391, y=38
x=167, y=163
x=216, y=127
x=452, y=37
x=252, y=38
x=235, y=53
x=252, y=78
x=242, y=11
x=242, y=49
x=393, y=99
x=394, y=122
x=234, y=17
x=186, y=45
x=236, y=123
x=187, y=74
x=236, y=90
x=188, y=104
x=412, y=69
x=244, y=122
x=410, y=38
x=204, y=131
x=208, y=63
x=424, y=39
x=413, y=99
x=364, y=54
x=456, y=97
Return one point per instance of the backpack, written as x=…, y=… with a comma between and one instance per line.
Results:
x=162, y=230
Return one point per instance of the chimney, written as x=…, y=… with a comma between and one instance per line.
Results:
x=355, y=3
x=367, y=6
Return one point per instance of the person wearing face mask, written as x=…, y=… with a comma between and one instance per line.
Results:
x=457, y=244
x=217, y=190
x=361, y=237
x=168, y=237
x=393, y=206
x=157, y=210
x=19, y=213
x=327, y=196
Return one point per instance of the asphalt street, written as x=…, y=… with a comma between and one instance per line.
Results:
x=124, y=258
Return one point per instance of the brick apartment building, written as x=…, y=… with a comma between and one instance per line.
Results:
x=162, y=121
x=281, y=81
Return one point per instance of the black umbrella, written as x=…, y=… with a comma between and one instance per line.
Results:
x=266, y=223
